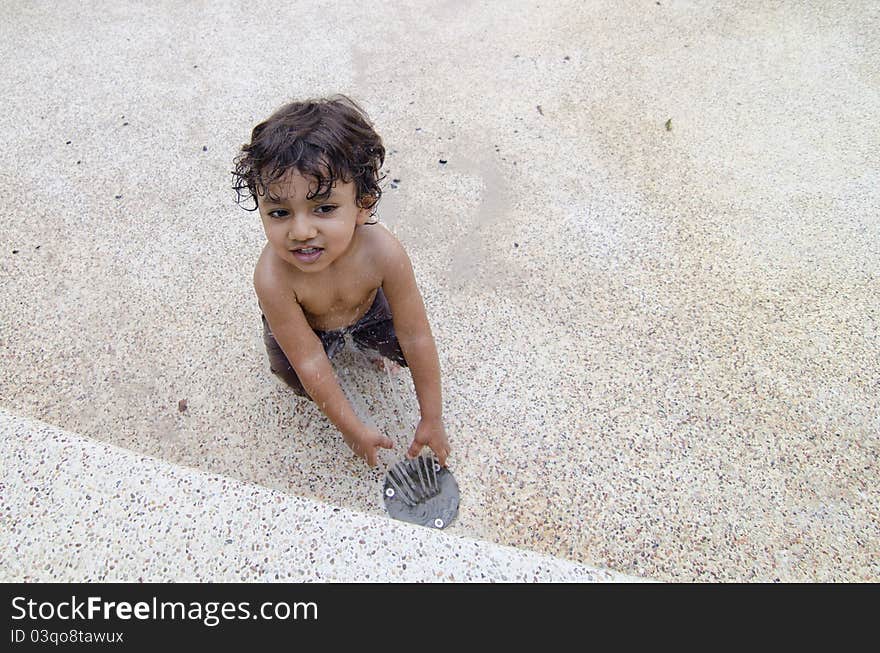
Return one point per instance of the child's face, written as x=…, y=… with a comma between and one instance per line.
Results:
x=310, y=234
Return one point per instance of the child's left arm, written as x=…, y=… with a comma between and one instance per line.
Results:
x=417, y=343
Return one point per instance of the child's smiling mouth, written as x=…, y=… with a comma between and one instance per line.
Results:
x=307, y=254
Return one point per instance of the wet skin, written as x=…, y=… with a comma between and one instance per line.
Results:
x=320, y=269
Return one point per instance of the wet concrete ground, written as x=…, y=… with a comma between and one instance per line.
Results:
x=650, y=261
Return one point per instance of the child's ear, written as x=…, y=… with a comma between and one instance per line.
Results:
x=366, y=212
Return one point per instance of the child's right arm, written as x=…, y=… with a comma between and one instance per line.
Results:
x=306, y=354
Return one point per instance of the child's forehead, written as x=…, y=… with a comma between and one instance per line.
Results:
x=292, y=184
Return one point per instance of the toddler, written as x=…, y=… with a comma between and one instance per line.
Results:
x=327, y=269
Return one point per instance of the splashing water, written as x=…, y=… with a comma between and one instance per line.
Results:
x=405, y=424
x=401, y=411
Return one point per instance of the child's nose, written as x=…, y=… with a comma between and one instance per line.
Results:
x=301, y=229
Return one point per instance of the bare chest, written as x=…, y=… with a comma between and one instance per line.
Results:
x=331, y=309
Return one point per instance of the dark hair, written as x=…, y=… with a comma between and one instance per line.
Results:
x=329, y=139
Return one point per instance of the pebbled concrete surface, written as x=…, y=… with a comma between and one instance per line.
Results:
x=650, y=261
x=79, y=510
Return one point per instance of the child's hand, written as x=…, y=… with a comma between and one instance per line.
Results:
x=432, y=433
x=365, y=442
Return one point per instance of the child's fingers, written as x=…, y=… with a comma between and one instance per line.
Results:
x=442, y=452
x=370, y=453
x=414, y=449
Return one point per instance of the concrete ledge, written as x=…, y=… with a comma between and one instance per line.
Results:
x=74, y=509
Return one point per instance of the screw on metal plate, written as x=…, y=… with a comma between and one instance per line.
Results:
x=420, y=491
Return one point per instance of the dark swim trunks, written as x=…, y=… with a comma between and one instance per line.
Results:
x=375, y=331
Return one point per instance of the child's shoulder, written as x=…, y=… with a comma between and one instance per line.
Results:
x=270, y=276
x=384, y=247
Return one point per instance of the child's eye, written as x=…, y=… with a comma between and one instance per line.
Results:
x=278, y=214
x=326, y=208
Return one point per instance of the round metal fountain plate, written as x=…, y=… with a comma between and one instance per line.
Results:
x=421, y=499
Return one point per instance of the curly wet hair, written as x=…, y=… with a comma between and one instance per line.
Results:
x=329, y=139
